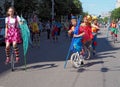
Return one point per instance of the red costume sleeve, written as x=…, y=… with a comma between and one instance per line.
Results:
x=88, y=33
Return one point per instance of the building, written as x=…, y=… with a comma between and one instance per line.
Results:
x=117, y=3
x=106, y=14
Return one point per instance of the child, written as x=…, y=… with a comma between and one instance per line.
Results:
x=55, y=33
x=77, y=45
x=95, y=29
x=12, y=34
x=114, y=30
x=35, y=31
x=86, y=28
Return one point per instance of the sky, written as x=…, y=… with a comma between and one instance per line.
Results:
x=97, y=7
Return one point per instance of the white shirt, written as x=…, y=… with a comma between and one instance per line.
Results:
x=47, y=26
x=12, y=21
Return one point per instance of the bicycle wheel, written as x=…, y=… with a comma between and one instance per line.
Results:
x=12, y=62
x=75, y=60
x=87, y=53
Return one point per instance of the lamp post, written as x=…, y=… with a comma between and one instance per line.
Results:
x=53, y=13
x=53, y=3
x=12, y=3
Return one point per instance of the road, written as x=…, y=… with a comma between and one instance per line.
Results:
x=45, y=66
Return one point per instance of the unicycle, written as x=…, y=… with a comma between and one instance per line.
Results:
x=12, y=62
x=76, y=59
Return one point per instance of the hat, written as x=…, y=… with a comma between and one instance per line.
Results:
x=73, y=17
x=94, y=18
x=88, y=17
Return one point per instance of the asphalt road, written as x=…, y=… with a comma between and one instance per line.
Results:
x=45, y=66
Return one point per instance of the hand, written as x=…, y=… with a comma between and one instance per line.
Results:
x=69, y=32
x=5, y=35
x=75, y=35
x=20, y=22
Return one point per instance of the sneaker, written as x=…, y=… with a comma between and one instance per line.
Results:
x=7, y=60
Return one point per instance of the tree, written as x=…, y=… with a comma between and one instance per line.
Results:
x=26, y=6
x=7, y=4
x=62, y=7
x=106, y=19
x=85, y=13
x=44, y=7
x=76, y=7
x=115, y=14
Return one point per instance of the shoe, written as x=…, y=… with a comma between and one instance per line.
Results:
x=94, y=52
x=7, y=60
x=17, y=59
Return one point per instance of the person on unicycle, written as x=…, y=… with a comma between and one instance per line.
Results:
x=114, y=30
x=84, y=32
x=95, y=29
x=12, y=34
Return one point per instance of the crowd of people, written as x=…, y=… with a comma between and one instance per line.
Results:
x=88, y=30
x=36, y=26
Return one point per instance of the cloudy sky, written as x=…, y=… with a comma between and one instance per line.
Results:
x=97, y=7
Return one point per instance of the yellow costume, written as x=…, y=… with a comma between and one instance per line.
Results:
x=35, y=28
x=94, y=30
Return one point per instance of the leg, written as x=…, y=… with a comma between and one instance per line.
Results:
x=47, y=34
x=16, y=50
x=116, y=37
x=7, y=52
x=112, y=34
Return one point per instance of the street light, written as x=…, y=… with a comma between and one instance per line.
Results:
x=53, y=3
x=12, y=3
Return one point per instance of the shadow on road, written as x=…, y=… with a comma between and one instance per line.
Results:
x=105, y=49
x=53, y=52
x=38, y=67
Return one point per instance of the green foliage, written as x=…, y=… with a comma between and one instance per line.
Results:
x=115, y=14
x=7, y=4
x=44, y=7
x=101, y=20
x=85, y=13
x=62, y=7
x=106, y=19
x=26, y=6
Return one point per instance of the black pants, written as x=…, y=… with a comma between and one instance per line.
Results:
x=48, y=33
x=59, y=31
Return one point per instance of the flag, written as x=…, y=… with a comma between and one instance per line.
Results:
x=25, y=36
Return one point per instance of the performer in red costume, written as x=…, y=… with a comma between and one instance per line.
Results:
x=86, y=28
